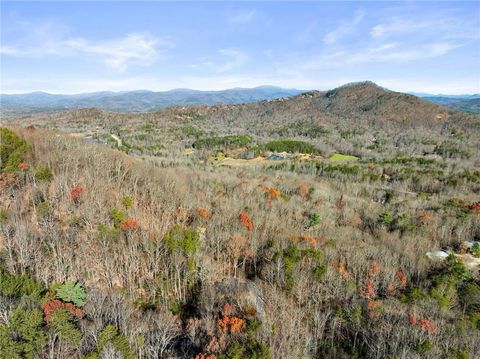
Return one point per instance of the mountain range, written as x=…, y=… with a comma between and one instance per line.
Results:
x=150, y=101
x=137, y=101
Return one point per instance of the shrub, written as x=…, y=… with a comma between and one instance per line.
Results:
x=273, y=193
x=475, y=250
x=401, y=278
x=313, y=220
x=23, y=166
x=52, y=306
x=22, y=335
x=368, y=289
x=106, y=335
x=13, y=150
x=231, y=324
x=424, y=347
x=61, y=321
x=289, y=146
x=110, y=334
x=456, y=268
x=319, y=272
x=252, y=349
x=129, y=224
x=471, y=297
x=3, y=215
x=117, y=216
x=291, y=256
x=202, y=212
x=223, y=142
x=72, y=292
x=43, y=174
x=17, y=285
x=44, y=211
x=127, y=202
x=76, y=192
x=451, y=150
x=246, y=220
x=184, y=240
x=386, y=219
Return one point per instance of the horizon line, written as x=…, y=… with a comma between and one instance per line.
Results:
x=413, y=92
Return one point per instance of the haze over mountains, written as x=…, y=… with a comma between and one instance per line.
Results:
x=148, y=101
x=137, y=101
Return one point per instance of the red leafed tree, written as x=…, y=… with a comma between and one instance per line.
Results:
x=76, y=192
x=247, y=222
x=53, y=305
x=368, y=290
x=401, y=278
x=273, y=193
x=23, y=166
x=202, y=212
x=129, y=224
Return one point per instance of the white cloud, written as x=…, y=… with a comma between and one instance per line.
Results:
x=235, y=58
x=395, y=53
x=119, y=54
x=243, y=16
x=386, y=53
x=440, y=24
x=8, y=50
x=133, y=49
x=346, y=27
x=230, y=59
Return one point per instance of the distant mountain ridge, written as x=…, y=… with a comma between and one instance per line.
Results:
x=137, y=101
x=151, y=101
x=362, y=106
x=469, y=104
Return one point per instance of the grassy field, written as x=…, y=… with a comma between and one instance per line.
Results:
x=340, y=157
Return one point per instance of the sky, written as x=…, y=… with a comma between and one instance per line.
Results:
x=74, y=47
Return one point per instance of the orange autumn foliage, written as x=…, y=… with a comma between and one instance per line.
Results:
x=423, y=324
x=202, y=212
x=307, y=239
x=368, y=290
x=247, y=222
x=303, y=190
x=427, y=325
x=475, y=207
x=374, y=304
x=230, y=323
x=412, y=319
x=75, y=192
x=424, y=217
x=374, y=308
x=129, y=224
x=23, y=166
x=342, y=270
x=53, y=305
x=205, y=356
x=375, y=268
x=273, y=193
x=227, y=309
x=401, y=278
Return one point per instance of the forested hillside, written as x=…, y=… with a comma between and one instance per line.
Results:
x=343, y=224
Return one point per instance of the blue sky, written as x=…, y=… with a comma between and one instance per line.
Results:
x=73, y=47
